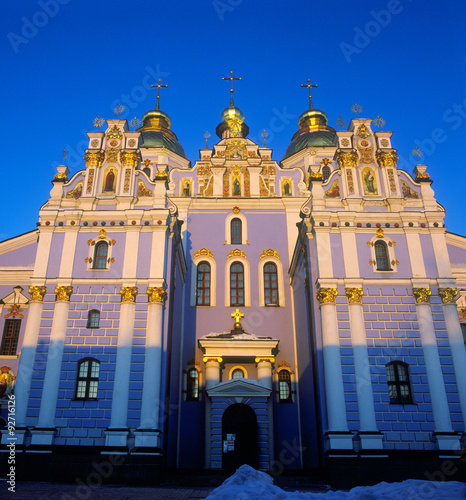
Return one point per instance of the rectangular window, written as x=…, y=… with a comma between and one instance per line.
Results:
x=10, y=337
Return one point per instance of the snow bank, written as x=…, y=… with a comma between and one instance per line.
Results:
x=249, y=484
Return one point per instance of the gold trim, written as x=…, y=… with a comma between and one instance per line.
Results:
x=203, y=252
x=128, y=293
x=37, y=293
x=156, y=294
x=206, y=359
x=422, y=295
x=102, y=234
x=236, y=253
x=63, y=292
x=270, y=359
x=379, y=233
x=448, y=295
x=325, y=295
x=354, y=295
x=236, y=210
x=270, y=253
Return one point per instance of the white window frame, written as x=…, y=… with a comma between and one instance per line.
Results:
x=247, y=281
x=244, y=228
x=280, y=281
x=213, y=279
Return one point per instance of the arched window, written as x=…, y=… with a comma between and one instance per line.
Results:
x=284, y=386
x=399, y=387
x=100, y=255
x=270, y=284
x=237, y=284
x=192, y=386
x=236, y=230
x=203, y=284
x=381, y=256
x=87, y=378
x=325, y=173
x=93, y=319
x=237, y=373
x=146, y=170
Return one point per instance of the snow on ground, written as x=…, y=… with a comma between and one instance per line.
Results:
x=249, y=484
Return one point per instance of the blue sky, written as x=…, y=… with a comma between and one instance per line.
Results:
x=66, y=62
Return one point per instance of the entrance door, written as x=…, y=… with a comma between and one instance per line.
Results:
x=239, y=434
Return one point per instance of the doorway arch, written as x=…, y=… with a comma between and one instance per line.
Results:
x=240, y=421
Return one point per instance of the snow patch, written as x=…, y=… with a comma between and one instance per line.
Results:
x=249, y=484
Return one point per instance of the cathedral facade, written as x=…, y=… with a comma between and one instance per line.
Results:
x=296, y=314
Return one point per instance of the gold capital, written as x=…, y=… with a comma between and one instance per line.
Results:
x=37, y=293
x=327, y=295
x=354, y=295
x=94, y=159
x=448, y=295
x=218, y=359
x=63, y=292
x=269, y=359
x=422, y=295
x=128, y=293
x=156, y=294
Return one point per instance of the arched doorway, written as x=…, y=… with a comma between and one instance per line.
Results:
x=239, y=435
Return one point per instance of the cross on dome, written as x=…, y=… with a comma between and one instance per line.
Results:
x=158, y=86
x=231, y=78
x=237, y=315
x=309, y=85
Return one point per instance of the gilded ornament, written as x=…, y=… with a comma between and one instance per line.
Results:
x=114, y=133
x=422, y=177
x=363, y=131
x=284, y=364
x=386, y=158
x=15, y=310
x=417, y=153
x=448, y=295
x=462, y=314
x=379, y=122
x=379, y=233
x=236, y=253
x=135, y=122
x=90, y=180
x=325, y=162
x=94, y=143
x=347, y=158
x=354, y=295
x=94, y=159
x=102, y=234
x=236, y=209
x=384, y=142
x=37, y=293
x=128, y=293
x=268, y=359
x=7, y=382
x=98, y=122
x=391, y=179
x=203, y=252
x=217, y=359
x=61, y=177
x=340, y=122
x=237, y=315
x=270, y=253
x=357, y=109
x=349, y=176
x=161, y=175
x=112, y=154
x=316, y=176
x=345, y=142
x=129, y=158
x=395, y=262
x=118, y=109
x=326, y=295
x=422, y=295
x=127, y=179
x=63, y=292
x=156, y=294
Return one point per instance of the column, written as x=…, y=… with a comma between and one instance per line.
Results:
x=117, y=430
x=148, y=434
x=212, y=377
x=455, y=338
x=338, y=435
x=370, y=437
x=44, y=431
x=264, y=370
x=446, y=438
x=26, y=361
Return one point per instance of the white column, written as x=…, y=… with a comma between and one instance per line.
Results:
x=27, y=357
x=264, y=370
x=455, y=338
x=435, y=380
x=336, y=408
x=212, y=377
x=148, y=433
x=48, y=402
x=369, y=435
x=117, y=433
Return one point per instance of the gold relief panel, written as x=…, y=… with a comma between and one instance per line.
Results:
x=203, y=252
x=37, y=293
x=422, y=295
x=270, y=253
x=349, y=177
x=236, y=209
x=325, y=295
x=236, y=150
x=112, y=154
x=354, y=295
x=347, y=158
x=128, y=293
x=236, y=253
x=448, y=295
x=15, y=310
x=386, y=158
x=391, y=180
x=129, y=158
x=363, y=131
x=156, y=294
x=90, y=180
x=63, y=293
x=114, y=133
x=94, y=159
x=76, y=192
x=127, y=179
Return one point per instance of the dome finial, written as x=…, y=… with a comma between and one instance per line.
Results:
x=309, y=85
x=231, y=78
x=159, y=86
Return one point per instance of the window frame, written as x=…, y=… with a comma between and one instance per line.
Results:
x=237, y=288
x=270, y=288
x=14, y=338
x=326, y=169
x=244, y=227
x=189, y=385
x=87, y=379
x=93, y=312
x=203, y=289
x=98, y=246
x=289, y=399
x=380, y=261
x=397, y=383
x=238, y=238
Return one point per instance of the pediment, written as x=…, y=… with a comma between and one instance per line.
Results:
x=16, y=297
x=239, y=387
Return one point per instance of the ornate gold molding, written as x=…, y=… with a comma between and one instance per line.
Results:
x=270, y=253
x=94, y=159
x=379, y=233
x=316, y=176
x=37, y=293
x=422, y=295
x=63, y=292
x=448, y=295
x=128, y=293
x=114, y=133
x=236, y=253
x=326, y=295
x=386, y=158
x=102, y=234
x=236, y=210
x=129, y=158
x=203, y=252
x=156, y=294
x=354, y=295
x=347, y=158
x=269, y=359
x=218, y=359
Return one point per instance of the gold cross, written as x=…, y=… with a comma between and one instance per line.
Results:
x=309, y=85
x=159, y=86
x=237, y=315
x=231, y=78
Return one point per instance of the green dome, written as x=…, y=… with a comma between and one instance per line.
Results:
x=317, y=139
x=159, y=138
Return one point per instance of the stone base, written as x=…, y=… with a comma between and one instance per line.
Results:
x=147, y=438
x=370, y=440
x=42, y=436
x=116, y=438
x=19, y=436
x=447, y=441
x=338, y=441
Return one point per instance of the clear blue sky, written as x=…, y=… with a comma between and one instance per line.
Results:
x=66, y=62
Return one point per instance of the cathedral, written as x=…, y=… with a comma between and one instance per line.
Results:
x=295, y=314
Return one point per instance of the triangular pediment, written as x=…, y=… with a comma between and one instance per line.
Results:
x=239, y=387
x=16, y=297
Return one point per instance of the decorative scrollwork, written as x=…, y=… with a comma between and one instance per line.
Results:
x=422, y=295
x=156, y=294
x=128, y=293
x=203, y=252
x=354, y=295
x=325, y=295
x=270, y=253
x=236, y=253
x=448, y=295
x=63, y=293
